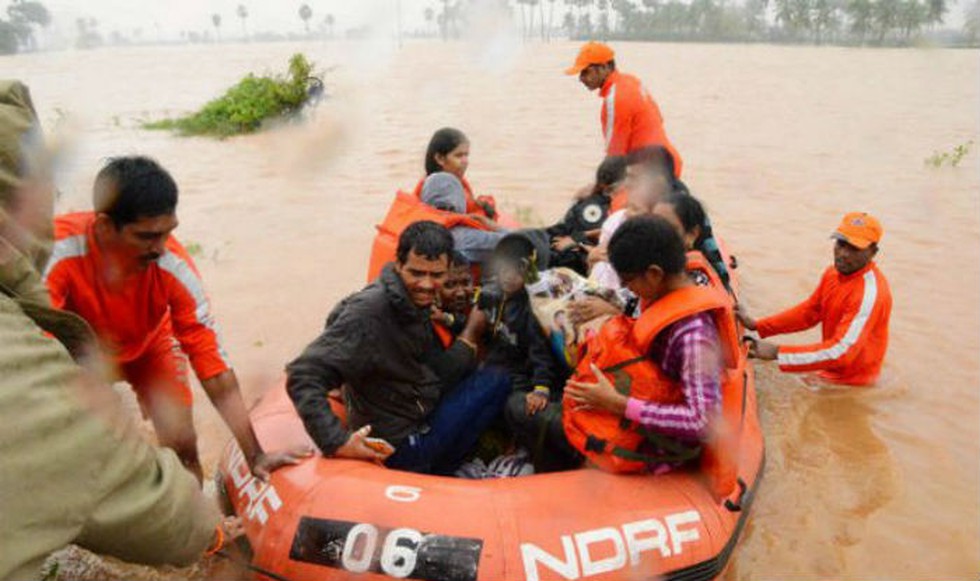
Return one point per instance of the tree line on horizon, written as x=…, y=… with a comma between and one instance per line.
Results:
x=843, y=22
x=847, y=22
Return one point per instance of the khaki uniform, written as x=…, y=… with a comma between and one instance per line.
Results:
x=73, y=469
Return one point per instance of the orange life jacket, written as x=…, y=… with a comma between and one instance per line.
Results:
x=697, y=261
x=474, y=204
x=621, y=350
x=407, y=209
x=620, y=199
x=444, y=334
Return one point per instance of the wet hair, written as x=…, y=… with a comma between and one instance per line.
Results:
x=141, y=189
x=425, y=238
x=654, y=157
x=691, y=213
x=514, y=248
x=610, y=172
x=443, y=142
x=646, y=241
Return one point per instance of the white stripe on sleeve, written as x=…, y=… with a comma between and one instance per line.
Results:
x=183, y=272
x=610, y=114
x=64, y=249
x=857, y=326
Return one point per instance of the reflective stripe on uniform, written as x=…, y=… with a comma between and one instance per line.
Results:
x=182, y=271
x=71, y=247
x=849, y=339
x=610, y=114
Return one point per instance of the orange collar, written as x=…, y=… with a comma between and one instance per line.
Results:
x=607, y=86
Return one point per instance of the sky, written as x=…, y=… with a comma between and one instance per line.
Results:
x=165, y=19
x=169, y=17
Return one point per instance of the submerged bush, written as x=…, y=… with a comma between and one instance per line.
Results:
x=951, y=158
x=245, y=106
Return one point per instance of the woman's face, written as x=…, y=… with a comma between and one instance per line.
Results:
x=456, y=161
x=667, y=212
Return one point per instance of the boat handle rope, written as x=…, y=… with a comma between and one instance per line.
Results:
x=737, y=505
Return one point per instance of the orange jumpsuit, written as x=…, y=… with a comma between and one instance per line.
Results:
x=631, y=119
x=854, y=310
x=147, y=320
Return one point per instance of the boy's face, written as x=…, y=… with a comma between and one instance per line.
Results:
x=647, y=285
x=457, y=292
x=510, y=277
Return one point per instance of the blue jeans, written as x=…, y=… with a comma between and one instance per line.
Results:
x=454, y=426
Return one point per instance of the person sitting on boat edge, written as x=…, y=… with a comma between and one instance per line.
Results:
x=455, y=300
x=649, y=255
x=687, y=215
x=444, y=191
x=579, y=229
x=515, y=340
x=425, y=403
x=852, y=303
x=449, y=151
x=684, y=350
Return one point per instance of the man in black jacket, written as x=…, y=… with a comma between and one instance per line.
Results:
x=426, y=404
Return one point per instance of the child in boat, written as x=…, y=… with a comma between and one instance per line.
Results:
x=649, y=257
x=515, y=340
x=444, y=191
x=686, y=214
x=455, y=298
x=449, y=151
x=579, y=230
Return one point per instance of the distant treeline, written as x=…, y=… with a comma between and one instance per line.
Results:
x=844, y=22
x=848, y=22
x=17, y=29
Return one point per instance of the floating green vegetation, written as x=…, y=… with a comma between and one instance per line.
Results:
x=247, y=105
x=193, y=249
x=950, y=158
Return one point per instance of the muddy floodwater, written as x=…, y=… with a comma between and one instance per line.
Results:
x=778, y=141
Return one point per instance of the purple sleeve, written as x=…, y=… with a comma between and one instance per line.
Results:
x=692, y=356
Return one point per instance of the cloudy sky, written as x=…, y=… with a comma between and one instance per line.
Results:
x=167, y=18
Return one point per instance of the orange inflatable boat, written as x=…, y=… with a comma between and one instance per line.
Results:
x=342, y=519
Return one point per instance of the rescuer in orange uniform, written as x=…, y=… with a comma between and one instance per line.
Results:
x=121, y=270
x=853, y=304
x=631, y=119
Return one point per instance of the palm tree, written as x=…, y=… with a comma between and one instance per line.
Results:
x=24, y=16
x=329, y=20
x=430, y=16
x=216, y=22
x=305, y=13
x=243, y=15
x=551, y=17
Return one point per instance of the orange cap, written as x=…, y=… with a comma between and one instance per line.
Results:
x=859, y=229
x=591, y=53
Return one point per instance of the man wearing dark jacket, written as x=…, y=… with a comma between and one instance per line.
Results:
x=426, y=404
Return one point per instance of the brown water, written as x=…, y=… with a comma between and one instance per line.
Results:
x=779, y=141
